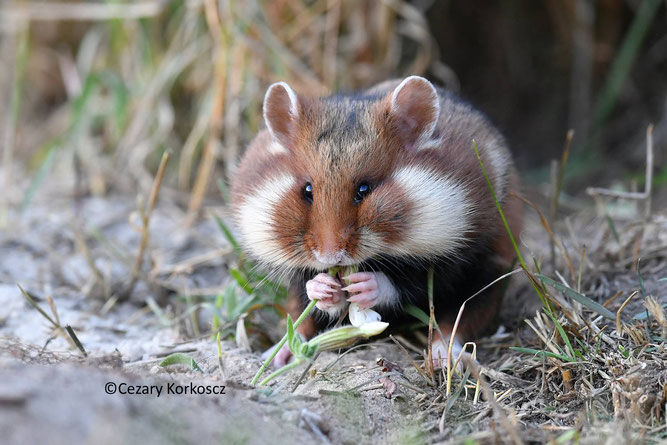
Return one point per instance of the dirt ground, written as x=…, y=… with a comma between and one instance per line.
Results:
x=50, y=392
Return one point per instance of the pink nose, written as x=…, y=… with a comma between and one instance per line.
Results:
x=329, y=258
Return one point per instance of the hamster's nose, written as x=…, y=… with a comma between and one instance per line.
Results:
x=329, y=258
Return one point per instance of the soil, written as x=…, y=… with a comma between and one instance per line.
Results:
x=50, y=392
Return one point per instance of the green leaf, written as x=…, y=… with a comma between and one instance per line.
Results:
x=641, y=281
x=542, y=353
x=562, y=333
x=228, y=235
x=584, y=300
x=568, y=436
x=76, y=340
x=230, y=301
x=39, y=309
x=457, y=394
x=417, y=313
x=294, y=340
x=241, y=280
x=42, y=171
x=290, y=329
x=179, y=358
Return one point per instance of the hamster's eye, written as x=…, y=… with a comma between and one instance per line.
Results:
x=308, y=192
x=362, y=191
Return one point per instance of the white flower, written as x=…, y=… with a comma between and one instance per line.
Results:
x=359, y=316
x=373, y=328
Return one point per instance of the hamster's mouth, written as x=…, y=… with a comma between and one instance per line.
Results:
x=322, y=261
x=320, y=266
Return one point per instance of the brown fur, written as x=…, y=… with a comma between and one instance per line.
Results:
x=335, y=143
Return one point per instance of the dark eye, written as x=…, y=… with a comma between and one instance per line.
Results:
x=308, y=192
x=362, y=190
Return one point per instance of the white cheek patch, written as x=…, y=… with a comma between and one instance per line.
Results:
x=370, y=244
x=440, y=216
x=257, y=219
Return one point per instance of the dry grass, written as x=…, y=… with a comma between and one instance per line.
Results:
x=185, y=76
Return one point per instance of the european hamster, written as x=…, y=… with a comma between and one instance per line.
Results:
x=386, y=180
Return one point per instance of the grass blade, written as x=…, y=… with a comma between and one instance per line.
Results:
x=584, y=300
x=75, y=339
x=562, y=333
x=179, y=358
x=241, y=280
x=542, y=353
x=228, y=235
x=36, y=306
x=417, y=313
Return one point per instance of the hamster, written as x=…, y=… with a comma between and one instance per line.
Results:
x=386, y=180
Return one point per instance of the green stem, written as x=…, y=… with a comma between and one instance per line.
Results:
x=524, y=266
x=279, y=371
x=280, y=344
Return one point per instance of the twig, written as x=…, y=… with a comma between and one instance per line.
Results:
x=146, y=219
x=428, y=366
x=452, y=336
x=209, y=155
x=52, y=11
x=646, y=194
x=619, y=325
x=416, y=366
x=21, y=47
x=561, y=174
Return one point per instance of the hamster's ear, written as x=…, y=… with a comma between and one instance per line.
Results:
x=415, y=109
x=281, y=112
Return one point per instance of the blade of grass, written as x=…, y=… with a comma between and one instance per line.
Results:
x=562, y=334
x=228, y=235
x=561, y=174
x=612, y=226
x=552, y=237
x=584, y=300
x=179, y=358
x=146, y=219
x=220, y=363
x=20, y=60
x=624, y=59
x=75, y=339
x=241, y=281
x=431, y=321
x=36, y=306
x=542, y=353
x=420, y=315
x=506, y=224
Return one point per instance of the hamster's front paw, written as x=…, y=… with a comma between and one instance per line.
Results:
x=370, y=289
x=282, y=357
x=326, y=289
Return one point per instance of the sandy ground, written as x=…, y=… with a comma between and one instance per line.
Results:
x=50, y=392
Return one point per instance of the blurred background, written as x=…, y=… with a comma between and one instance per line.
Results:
x=93, y=92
